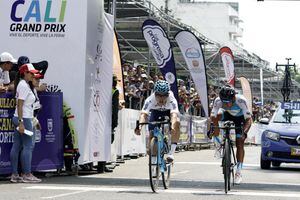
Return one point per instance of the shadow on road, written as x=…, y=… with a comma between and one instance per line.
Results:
x=188, y=184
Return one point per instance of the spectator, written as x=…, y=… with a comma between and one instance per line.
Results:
x=41, y=66
x=22, y=120
x=21, y=61
x=37, y=105
x=114, y=122
x=6, y=64
x=255, y=110
x=115, y=107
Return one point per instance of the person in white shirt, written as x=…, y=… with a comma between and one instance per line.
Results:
x=162, y=103
x=22, y=119
x=6, y=64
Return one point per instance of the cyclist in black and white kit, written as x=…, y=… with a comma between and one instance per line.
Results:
x=159, y=104
x=233, y=107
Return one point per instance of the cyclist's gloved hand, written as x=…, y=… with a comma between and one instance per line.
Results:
x=210, y=131
x=209, y=134
x=137, y=131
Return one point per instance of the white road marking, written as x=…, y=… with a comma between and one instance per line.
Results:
x=212, y=163
x=66, y=194
x=79, y=190
x=181, y=172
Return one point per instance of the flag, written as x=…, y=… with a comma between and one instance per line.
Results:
x=193, y=55
x=161, y=49
x=247, y=92
x=227, y=60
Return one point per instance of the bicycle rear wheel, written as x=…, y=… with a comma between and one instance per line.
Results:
x=227, y=165
x=166, y=175
x=153, y=165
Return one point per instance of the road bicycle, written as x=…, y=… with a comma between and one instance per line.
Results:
x=158, y=149
x=228, y=159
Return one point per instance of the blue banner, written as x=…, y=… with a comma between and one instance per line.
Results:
x=48, y=150
x=291, y=105
x=161, y=49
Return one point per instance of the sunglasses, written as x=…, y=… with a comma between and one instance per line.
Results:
x=161, y=95
x=227, y=102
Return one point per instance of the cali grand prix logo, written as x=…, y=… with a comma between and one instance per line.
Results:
x=35, y=18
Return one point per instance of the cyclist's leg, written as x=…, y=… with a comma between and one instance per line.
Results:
x=240, y=138
x=240, y=152
x=153, y=117
x=176, y=133
x=217, y=140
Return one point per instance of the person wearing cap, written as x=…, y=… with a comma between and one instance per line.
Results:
x=6, y=64
x=22, y=120
x=37, y=105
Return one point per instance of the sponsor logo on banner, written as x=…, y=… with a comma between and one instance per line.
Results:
x=192, y=53
x=195, y=63
x=34, y=18
x=50, y=125
x=170, y=77
x=96, y=154
x=160, y=44
x=291, y=105
x=50, y=137
x=227, y=59
x=96, y=101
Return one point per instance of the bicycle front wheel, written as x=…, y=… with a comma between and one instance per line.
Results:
x=153, y=165
x=227, y=165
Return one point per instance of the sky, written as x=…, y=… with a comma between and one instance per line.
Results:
x=271, y=29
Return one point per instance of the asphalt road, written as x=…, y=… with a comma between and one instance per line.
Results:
x=195, y=175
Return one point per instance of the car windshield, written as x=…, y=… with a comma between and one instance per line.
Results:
x=287, y=116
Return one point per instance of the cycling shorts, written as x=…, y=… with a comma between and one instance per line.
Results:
x=157, y=115
x=237, y=120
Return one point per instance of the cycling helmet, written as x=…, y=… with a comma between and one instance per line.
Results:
x=162, y=86
x=23, y=60
x=227, y=93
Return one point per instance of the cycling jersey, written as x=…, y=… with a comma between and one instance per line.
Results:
x=151, y=104
x=239, y=107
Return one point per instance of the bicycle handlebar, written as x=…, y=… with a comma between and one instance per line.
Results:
x=153, y=123
x=227, y=125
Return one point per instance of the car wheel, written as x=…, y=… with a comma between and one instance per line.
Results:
x=264, y=164
x=276, y=163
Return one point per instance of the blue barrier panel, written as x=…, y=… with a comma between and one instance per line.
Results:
x=48, y=150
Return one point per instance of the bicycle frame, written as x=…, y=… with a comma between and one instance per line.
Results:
x=228, y=153
x=158, y=133
x=227, y=137
x=158, y=147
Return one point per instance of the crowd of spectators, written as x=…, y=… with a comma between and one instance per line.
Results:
x=139, y=83
x=23, y=79
x=266, y=111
